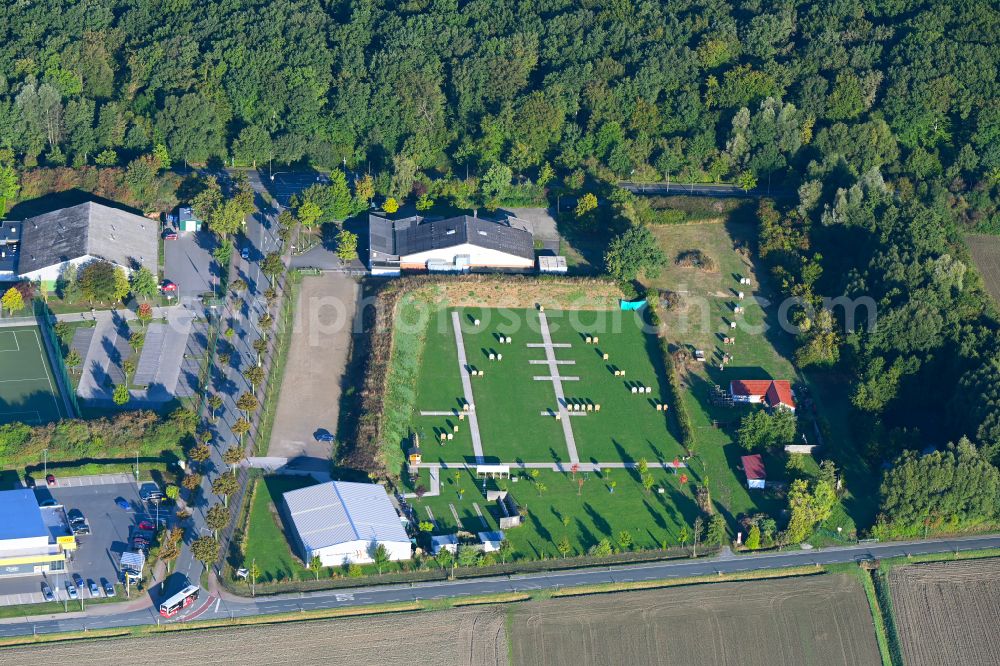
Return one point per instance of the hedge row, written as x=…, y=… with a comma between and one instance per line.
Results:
x=676, y=393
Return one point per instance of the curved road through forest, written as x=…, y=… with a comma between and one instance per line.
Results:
x=212, y=608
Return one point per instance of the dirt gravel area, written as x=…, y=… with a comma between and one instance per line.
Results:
x=317, y=356
x=822, y=619
x=948, y=612
x=473, y=637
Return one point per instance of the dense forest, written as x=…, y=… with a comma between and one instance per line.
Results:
x=875, y=123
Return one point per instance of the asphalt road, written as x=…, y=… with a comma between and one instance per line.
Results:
x=208, y=608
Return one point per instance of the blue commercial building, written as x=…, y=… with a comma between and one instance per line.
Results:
x=33, y=539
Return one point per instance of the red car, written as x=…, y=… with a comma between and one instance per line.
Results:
x=168, y=287
x=146, y=525
x=169, y=234
x=50, y=479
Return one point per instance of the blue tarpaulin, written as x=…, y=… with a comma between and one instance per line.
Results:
x=632, y=305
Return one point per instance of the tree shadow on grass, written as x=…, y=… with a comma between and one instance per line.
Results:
x=600, y=523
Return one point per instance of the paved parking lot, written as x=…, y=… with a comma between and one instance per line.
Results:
x=286, y=184
x=98, y=552
x=188, y=263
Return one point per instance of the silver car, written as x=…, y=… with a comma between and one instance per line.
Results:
x=71, y=590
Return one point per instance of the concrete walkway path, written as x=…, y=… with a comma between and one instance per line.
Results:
x=550, y=356
x=435, y=474
x=562, y=466
x=463, y=371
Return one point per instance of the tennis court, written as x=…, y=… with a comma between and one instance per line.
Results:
x=28, y=390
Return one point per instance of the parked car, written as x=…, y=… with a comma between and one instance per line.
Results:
x=123, y=503
x=78, y=580
x=50, y=479
x=95, y=591
x=109, y=587
x=169, y=234
x=78, y=522
x=48, y=502
x=168, y=287
x=71, y=590
x=149, y=491
x=47, y=592
x=147, y=525
x=245, y=253
x=324, y=437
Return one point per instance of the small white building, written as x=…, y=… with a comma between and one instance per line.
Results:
x=552, y=264
x=342, y=522
x=491, y=541
x=447, y=542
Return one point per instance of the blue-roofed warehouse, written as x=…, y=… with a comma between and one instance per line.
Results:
x=33, y=539
x=342, y=522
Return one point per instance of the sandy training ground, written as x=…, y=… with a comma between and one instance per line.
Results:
x=948, y=612
x=818, y=620
x=317, y=356
x=472, y=636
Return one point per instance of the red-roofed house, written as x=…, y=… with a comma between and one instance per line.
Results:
x=754, y=468
x=771, y=392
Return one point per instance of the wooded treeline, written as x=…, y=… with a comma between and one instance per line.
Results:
x=697, y=90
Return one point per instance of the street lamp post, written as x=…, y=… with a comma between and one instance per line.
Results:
x=45, y=463
x=136, y=468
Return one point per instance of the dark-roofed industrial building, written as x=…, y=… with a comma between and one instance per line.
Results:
x=80, y=234
x=456, y=244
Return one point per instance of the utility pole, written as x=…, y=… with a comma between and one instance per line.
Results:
x=45, y=464
x=137, y=468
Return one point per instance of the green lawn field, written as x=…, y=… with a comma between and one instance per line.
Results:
x=265, y=542
x=559, y=507
x=28, y=391
x=510, y=403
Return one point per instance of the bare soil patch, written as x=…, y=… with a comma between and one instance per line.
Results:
x=473, y=636
x=948, y=612
x=818, y=620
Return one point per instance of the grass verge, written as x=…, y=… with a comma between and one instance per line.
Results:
x=763, y=574
x=881, y=634
x=277, y=373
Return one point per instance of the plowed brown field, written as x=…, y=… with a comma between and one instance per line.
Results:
x=986, y=253
x=948, y=612
x=817, y=620
x=466, y=636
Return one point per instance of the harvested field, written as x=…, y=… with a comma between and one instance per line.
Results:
x=986, y=253
x=818, y=620
x=466, y=636
x=948, y=612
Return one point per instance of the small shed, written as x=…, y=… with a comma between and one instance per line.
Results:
x=550, y=264
x=187, y=220
x=491, y=541
x=510, y=514
x=441, y=542
x=413, y=455
x=753, y=466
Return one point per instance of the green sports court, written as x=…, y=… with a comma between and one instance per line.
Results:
x=28, y=390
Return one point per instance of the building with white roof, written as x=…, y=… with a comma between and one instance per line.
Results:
x=342, y=522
